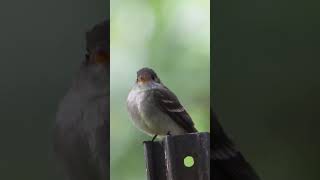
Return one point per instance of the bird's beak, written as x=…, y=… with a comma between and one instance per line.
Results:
x=144, y=78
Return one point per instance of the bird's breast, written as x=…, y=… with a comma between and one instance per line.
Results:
x=138, y=104
x=148, y=117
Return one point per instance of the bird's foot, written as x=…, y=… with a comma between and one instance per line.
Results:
x=154, y=137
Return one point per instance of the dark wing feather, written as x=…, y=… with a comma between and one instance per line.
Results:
x=169, y=104
x=228, y=162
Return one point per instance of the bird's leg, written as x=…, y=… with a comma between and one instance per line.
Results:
x=168, y=133
x=154, y=137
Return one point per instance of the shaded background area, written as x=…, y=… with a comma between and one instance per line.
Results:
x=42, y=44
x=173, y=38
x=266, y=83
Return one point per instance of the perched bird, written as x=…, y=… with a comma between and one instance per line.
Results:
x=154, y=109
x=227, y=162
x=81, y=138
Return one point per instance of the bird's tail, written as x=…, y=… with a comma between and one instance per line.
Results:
x=227, y=161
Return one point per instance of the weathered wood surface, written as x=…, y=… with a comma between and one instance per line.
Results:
x=165, y=159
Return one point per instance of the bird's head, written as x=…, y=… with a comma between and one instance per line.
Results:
x=94, y=71
x=146, y=76
x=98, y=45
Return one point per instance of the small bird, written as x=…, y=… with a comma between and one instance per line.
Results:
x=227, y=162
x=154, y=109
x=81, y=141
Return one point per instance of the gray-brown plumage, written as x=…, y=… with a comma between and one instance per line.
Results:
x=154, y=109
x=81, y=134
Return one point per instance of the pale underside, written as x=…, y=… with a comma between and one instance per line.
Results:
x=147, y=117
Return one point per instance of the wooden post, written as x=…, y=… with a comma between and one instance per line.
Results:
x=165, y=160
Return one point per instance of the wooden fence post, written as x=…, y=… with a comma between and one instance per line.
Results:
x=165, y=160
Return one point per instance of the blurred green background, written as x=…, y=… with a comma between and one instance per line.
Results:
x=173, y=38
x=266, y=83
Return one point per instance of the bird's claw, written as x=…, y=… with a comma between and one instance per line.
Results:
x=154, y=137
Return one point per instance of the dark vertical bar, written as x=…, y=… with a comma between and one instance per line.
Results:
x=108, y=75
x=204, y=140
x=155, y=160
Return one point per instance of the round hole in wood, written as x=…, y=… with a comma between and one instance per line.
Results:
x=188, y=161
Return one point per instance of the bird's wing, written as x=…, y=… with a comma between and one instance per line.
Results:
x=228, y=162
x=170, y=105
